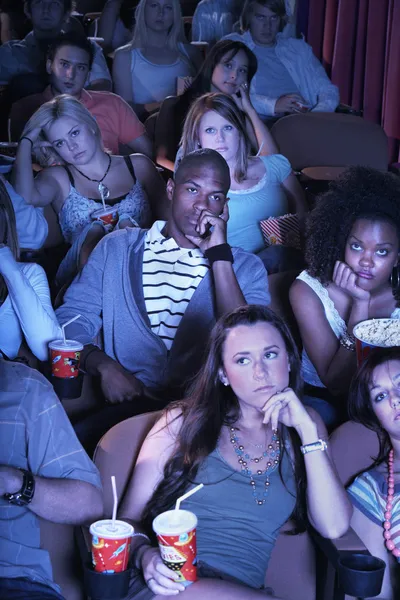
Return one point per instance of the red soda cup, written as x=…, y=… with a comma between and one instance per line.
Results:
x=65, y=357
x=111, y=542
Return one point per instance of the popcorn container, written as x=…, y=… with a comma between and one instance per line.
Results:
x=375, y=333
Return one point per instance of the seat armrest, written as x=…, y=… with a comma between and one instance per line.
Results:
x=349, y=543
x=99, y=586
x=348, y=110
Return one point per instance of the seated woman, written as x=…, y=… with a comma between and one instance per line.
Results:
x=244, y=404
x=374, y=401
x=63, y=133
x=146, y=70
x=261, y=186
x=26, y=313
x=352, y=247
x=229, y=68
x=289, y=77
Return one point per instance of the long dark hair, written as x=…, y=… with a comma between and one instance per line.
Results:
x=359, y=402
x=210, y=405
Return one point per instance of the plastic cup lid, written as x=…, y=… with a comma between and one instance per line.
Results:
x=174, y=522
x=100, y=212
x=105, y=528
x=69, y=345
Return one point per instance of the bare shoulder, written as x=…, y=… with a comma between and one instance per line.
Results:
x=168, y=425
x=300, y=291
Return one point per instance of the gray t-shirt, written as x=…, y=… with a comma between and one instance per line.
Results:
x=35, y=435
x=277, y=79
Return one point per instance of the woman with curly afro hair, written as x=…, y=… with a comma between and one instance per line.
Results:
x=352, y=253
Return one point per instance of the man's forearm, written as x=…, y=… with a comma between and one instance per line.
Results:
x=61, y=500
x=227, y=290
x=92, y=359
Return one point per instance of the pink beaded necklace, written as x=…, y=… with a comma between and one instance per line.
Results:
x=389, y=543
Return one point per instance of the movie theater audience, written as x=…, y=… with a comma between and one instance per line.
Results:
x=374, y=401
x=68, y=64
x=245, y=403
x=289, y=78
x=63, y=133
x=146, y=70
x=44, y=473
x=26, y=313
x=261, y=186
x=116, y=22
x=22, y=63
x=228, y=68
x=352, y=255
x=174, y=281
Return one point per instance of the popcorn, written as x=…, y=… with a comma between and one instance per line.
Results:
x=384, y=333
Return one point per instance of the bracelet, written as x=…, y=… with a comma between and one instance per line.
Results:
x=143, y=535
x=318, y=445
x=348, y=341
x=25, y=137
x=220, y=252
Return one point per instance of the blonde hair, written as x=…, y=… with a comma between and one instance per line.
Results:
x=176, y=34
x=7, y=215
x=226, y=107
x=47, y=115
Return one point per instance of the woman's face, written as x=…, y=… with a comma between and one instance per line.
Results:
x=255, y=363
x=384, y=391
x=217, y=133
x=159, y=15
x=264, y=25
x=372, y=250
x=73, y=140
x=230, y=73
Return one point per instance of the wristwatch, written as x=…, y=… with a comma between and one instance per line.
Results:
x=25, y=495
x=318, y=445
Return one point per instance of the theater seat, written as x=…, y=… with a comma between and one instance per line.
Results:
x=292, y=571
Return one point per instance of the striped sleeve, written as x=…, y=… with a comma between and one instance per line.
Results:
x=365, y=495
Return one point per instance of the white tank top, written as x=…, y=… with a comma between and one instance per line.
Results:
x=153, y=83
x=336, y=322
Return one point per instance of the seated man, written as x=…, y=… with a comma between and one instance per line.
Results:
x=157, y=294
x=44, y=472
x=27, y=56
x=69, y=61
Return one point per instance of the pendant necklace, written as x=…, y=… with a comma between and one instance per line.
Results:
x=391, y=543
x=271, y=455
x=103, y=189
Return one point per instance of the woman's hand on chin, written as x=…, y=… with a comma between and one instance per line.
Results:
x=285, y=407
x=346, y=279
x=242, y=98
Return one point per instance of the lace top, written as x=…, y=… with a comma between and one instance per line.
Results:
x=334, y=319
x=76, y=211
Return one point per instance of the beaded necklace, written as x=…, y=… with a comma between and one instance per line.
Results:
x=389, y=543
x=271, y=455
x=103, y=189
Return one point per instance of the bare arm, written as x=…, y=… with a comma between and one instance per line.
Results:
x=58, y=500
x=108, y=21
x=154, y=185
x=259, y=133
x=334, y=364
x=142, y=145
x=297, y=199
x=39, y=191
x=121, y=74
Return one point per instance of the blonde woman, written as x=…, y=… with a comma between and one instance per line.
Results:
x=146, y=70
x=64, y=134
x=261, y=186
x=26, y=312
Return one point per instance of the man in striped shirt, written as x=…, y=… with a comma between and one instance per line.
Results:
x=157, y=294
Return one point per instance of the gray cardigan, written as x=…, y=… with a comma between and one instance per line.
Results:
x=108, y=294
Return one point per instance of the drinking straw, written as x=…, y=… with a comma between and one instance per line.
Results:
x=64, y=326
x=260, y=148
x=115, y=506
x=189, y=493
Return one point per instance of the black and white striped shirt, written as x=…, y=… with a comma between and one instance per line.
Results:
x=170, y=277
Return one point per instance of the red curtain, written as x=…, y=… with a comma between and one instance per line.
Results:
x=358, y=42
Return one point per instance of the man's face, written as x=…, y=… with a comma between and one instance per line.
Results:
x=200, y=187
x=46, y=15
x=68, y=70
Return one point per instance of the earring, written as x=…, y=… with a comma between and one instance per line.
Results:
x=395, y=278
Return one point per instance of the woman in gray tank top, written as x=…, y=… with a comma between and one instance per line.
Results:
x=244, y=433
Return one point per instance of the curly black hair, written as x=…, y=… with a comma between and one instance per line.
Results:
x=360, y=192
